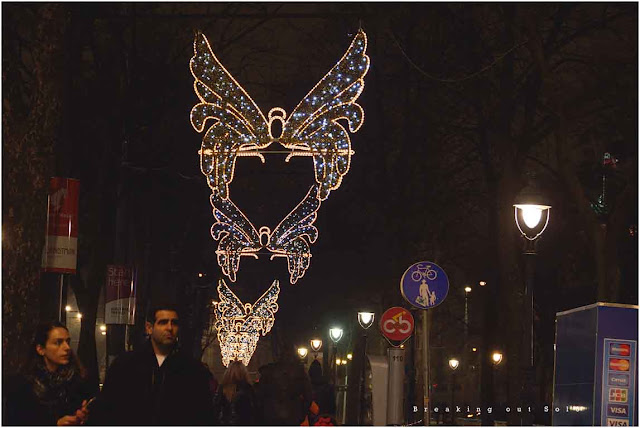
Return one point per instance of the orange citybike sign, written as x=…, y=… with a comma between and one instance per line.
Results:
x=61, y=245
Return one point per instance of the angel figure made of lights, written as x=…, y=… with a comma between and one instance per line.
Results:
x=238, y=128
x=240, y=325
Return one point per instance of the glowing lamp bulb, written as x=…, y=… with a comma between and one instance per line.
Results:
x=349, y=356
x=335, y=334
x=316, y=344
x=454, y=363
x=67, y=308
x=103, y=328
x=365, y=319
x=302, y=352
x=496, y=357
x=531, y=215
x=467, y=289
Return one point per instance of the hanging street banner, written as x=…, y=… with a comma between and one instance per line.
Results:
x=120, y=302
x=424, y=285
x=61, y=242
x=396, y=324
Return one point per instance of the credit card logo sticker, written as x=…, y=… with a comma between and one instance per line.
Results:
x=612, y=422
x=619, y=365
x=618, y=379
x=618, y=395
x=622, y=349
x=617, y=410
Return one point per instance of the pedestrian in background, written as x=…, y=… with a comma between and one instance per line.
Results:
x=322, y=392
x=284, y=390
x=235, y=401
x=156, y=384
x=51, y=389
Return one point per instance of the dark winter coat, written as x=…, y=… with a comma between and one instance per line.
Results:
x=240, y=411
x=284, y=393
x=41, y=397
x=139, y=392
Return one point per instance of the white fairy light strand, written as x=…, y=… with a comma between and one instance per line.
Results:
x=240, y=325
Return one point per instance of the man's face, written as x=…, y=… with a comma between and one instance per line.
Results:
x=57, y=350
x=164, y=331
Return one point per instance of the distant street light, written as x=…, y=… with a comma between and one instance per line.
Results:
x=532, y=217
x=336, y=334
x=453, y=364
x=482, y=283
x=302, y=352
x=496, y=358
x=366, y=319
x=349, y=357
x=316, y=344
x=67, y=308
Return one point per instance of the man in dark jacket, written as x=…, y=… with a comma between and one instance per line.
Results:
x=156, y=384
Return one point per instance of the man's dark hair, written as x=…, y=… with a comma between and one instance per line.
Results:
x=153, y=309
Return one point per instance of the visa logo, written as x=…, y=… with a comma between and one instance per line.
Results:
x=611, y=422
x=618, y=379
x=623, y=349
x=619, y=364
x=617, y=410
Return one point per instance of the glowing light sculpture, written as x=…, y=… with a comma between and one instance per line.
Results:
x=240, y=128
x=291, y=238
x=240, y=325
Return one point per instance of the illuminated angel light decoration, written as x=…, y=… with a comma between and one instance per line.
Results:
x=239, y=128
x=240, y=325
x=291, y=238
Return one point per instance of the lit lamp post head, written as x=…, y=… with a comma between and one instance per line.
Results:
x=532, y=212
x=366, y=319
x=454, y=363
x=335, y=334
x=467, y=289
x=496, y=358
x=316, y=344
x=302, y=352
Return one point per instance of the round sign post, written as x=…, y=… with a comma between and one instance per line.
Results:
x=425, y=285
x=396, y=325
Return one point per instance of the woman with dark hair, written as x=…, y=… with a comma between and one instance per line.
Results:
x=234, y=403
x=52, y=389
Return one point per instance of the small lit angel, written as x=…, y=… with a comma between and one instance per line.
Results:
x=240, y=325
x=291, y=238
x=239, y=127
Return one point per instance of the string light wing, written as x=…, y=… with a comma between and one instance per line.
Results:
x=293, y=236
x=238, y=128
x=236, y=235
x=313, y=129
x=240, y=325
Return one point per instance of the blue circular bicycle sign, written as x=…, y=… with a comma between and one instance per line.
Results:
x=424, y=285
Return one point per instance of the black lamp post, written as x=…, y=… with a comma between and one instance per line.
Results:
x=365, y=319
x=453, y=364
x=532, y=217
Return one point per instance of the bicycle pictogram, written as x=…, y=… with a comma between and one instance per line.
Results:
x=423, y=272
x=397, y=324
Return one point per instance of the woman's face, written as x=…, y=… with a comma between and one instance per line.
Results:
x=57, y=350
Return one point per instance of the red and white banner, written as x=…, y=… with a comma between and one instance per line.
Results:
x=61, y=243
x=120, y=302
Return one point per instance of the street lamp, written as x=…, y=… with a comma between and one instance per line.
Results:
x=316, y=344
x=453, y=364
x=366, y=319
x=532, y=217
x=496, y=358
x=335, y=334
x=302, y=352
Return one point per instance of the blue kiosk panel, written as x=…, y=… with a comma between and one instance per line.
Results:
x=595, y=378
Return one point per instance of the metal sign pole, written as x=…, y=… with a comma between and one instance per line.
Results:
x=425, y=368
x=395, y=389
